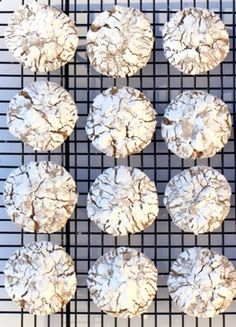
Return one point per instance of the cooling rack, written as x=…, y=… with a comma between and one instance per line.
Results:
x=162, y=242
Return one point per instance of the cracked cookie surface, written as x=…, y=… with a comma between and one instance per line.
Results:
x=40, y=278
x=40, y=37
x=123, y=282
x=202, y=283
x=196, y=125
x=119, y=42
x=40, y=196
x=195, y=40
x=122, y=200
x=42, y=115
x=121, y=122
x=198, y=199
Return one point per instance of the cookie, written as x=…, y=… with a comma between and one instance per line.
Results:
x=195, y=40
x=119, y=42
x=42, y=115
x=40, y=278
x=123, y=282
x=121, y=122
x=40, y=37
x=202, y=283
x=40, y=196
x=196, y=125
x=122, y=200
x=198, y=199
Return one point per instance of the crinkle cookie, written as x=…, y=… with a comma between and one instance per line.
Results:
x=40, y=37
x=123, y=282
x=40, y=196
x=195, y=40
x=40, y=278
x=196, y=125
x=122, y=200
x=42, y=115
x=119, y=42
x=121, y=122
x=202, y=283
x=198, y=199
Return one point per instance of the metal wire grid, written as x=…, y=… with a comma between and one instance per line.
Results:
x=162, y=242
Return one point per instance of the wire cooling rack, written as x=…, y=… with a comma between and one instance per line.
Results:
x=162, y=242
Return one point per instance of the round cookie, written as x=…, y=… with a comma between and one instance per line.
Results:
x=40, y=278
x=40, y=196
x=42, y=115
x=202, y=283
x=195, y=40
x=122, y=200
x=40, y=37
x=198, y=199
x=123, y=282
x=196, y=125
x=119, y=42
x=121, y=122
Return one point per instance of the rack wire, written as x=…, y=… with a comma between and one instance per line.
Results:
x=162, y=242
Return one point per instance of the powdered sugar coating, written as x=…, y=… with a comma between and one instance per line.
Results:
x=198, y=199
x=122, y=200
x=121, y=122
x=196, y=125
x=42, y=115
x=195, y=40
x=119, y=42
x=41, y=37
x=40, y=196
x=40, y=278
x=123, y=282
x=202, y=283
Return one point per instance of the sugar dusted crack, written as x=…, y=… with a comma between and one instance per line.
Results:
x=40, y=196
x=119, y=42
x=42, y=115
x=123, y=282
x=202, y=283
x=40, y=277
x=122, y=200
x=121, y=123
